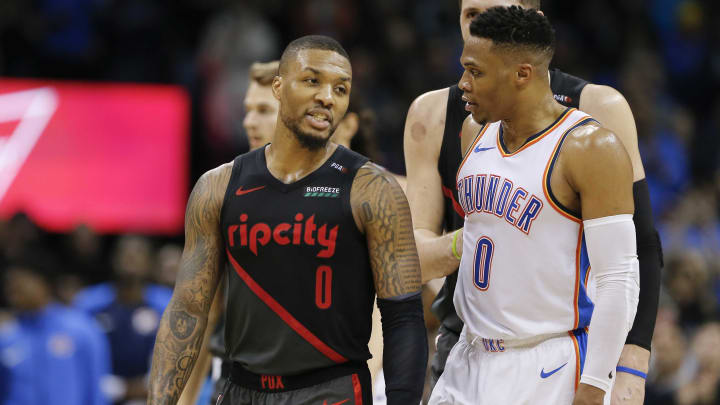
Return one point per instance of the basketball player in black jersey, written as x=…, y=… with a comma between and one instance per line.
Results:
x=354, y=132
x=433, y=154
x=309, y=231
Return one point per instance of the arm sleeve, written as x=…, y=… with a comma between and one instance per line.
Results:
x=613, y=258
x=649, y=252
x=405, y=350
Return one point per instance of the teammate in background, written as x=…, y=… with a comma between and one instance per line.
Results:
x=299, y=303
x=261, y=108
x=549, y=182
x=433, y=154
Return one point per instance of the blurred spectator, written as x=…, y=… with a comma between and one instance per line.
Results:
x=49, y=354
x=665, y=158
x=672, y=365
x=681, y=30
x=168, y=264
x=85, y=255
x=67, y=285
x=22, y=238
x=694, y=224
x=234, y=39
x=356, y=131
x=129, y=310
x=704, y=389
x=705, y=151
x=687, y=281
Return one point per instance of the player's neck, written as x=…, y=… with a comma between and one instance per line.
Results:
x=531, y=115
x=289, y=161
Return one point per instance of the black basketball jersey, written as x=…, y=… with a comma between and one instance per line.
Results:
x=299, y=289
x=566, y=90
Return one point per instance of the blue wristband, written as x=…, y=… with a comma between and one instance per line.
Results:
x=631, y=371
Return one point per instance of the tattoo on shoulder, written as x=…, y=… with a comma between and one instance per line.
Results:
x=367, y=212
x=206, y=198
x=385, y=213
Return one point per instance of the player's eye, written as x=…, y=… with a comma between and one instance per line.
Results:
x=341, y=90
x=471, y=14
x=311, y=80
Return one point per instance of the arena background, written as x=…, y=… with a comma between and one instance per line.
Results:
x=144, y=96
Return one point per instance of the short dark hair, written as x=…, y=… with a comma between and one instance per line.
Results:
x=310, y=42
x=516, y=27
x=264, y=73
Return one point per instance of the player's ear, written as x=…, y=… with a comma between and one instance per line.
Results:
x=276, y=85
x=523, y=74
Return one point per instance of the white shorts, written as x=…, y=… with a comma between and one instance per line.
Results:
x=542, y=370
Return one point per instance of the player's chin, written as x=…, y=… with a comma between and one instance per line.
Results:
x=480, y=118
x=312, y=140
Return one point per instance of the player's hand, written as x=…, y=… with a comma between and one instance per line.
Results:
x=588, y=395
x=630, y=389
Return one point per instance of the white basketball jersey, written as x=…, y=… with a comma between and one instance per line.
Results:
x=524, y=267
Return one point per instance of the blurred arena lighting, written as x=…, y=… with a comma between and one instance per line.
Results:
x=111, y=156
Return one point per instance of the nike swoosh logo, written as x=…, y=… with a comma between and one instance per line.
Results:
x=543, y=374
x=240, y=190
x=479, y=149
x=336, y=403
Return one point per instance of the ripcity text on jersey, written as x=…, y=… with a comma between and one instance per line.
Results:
x=300, y=291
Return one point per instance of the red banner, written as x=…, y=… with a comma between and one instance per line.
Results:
x=112, y=156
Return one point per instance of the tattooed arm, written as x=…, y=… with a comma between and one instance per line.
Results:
x=382, y=213
x=183, y=324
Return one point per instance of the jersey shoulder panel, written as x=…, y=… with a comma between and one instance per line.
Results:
x=566, y=88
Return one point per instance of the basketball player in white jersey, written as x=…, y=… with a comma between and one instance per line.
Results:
x=547, y=195
x=433, y=155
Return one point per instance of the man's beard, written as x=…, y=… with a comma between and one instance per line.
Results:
x=307, y=141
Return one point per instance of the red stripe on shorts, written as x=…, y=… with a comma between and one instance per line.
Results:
x=357, y=388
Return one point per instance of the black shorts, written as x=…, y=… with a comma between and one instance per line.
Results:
x=345, y=384
x=446, y=340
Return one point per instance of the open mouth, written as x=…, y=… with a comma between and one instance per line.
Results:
x=318, y=119
x=469, y=105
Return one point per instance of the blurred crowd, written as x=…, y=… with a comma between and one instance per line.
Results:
x=79, y=313
x=663, y=55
